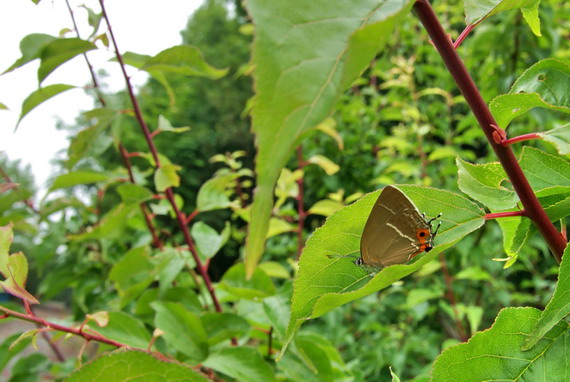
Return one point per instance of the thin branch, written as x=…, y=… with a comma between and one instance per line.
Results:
x=168, y=192
x=462, y=36
x=507, y=214
x=520, y=138
x=465, y=83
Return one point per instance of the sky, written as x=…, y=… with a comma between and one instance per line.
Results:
x=141, y=26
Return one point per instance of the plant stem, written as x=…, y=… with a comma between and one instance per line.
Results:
x=300, y=207
x=520, y=138
x=168, y=192
x=462, y=36
x=465, y=83
x=504, y=214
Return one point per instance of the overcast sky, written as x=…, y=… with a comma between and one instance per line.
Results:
x=140, y=26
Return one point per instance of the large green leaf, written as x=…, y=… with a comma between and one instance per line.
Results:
x=303, y=62
x=559, y=137
x=544, y=85
x=126, y=329
x=495, y=354
x=478, y=10
x=328, y=276
x=76, y=178
x=134, y=366
x=558, y=307
x=39, y=96
x=31, y=47
x=60, y=51
x=242, y=363
x=544, y=170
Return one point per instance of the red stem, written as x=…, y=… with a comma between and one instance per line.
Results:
x=300, y=207
x=504, y=214
x=520, y=138
x=462, y=36
x=169, y=193
x=465, y=83
x=192, y=216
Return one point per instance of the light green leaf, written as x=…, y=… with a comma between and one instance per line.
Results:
x=257, y=287
x=213, y=195
x=133, y=193
x=208, y=240
x=242, y=363
x=112, y=225
x=328, y=126
x=170, y=262
x=166, y=177
x=165, y=125
x=3, y=107
x=16, y=274
x=325, y=163
x=31, y=47
x=60, y=51
x=134, y=366
x=544, y=170
x=76, y=178
x=39, y=96
x=325, y=207
x=298, y=85
x=182, y=329
x=274, y=269
x=557, y=308
x=542, y=85
x=328, y=276
x=559, y=137
x=477, y=10
x=483, y=182
x=126, y=329
x=182, y=59
x=278, y=226
x=495, y=354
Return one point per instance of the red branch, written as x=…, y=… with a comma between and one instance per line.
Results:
x=520, y=138
x=462, y=36
x=169, y=193
x=504, y=214
x=481, y=111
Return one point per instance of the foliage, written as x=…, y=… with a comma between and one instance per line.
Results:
x=143, y=235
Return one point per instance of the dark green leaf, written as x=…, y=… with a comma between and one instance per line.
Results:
x=39, y=96
x=223, y=326
x=31, y=47
x=60, y=51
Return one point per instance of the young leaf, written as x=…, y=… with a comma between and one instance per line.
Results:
x=558, y=307
x=212, y=195
x=296, y=91
x=483, y=182
x=328, y=276
x=241, y=363
x=325, y=163
x=39, y=96
x=325, y=207
x=166, y=177
x=165, y=125
x=182, y=59
x=60, y=51
x=495, y=354
x=182, y=329
x=133, y=366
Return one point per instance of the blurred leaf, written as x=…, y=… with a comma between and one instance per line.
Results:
x=278, y=226
x=474, y=316
x=328, y=126
x=325, y=207
x=325, y=163
x=241, y=363
x=208, y=240
x=7, y=186
x=223, y=326
x=182, y=59
x=31, y=47
x=165, y=125
x=495, y=354
x=111, y=226
x=328, y=276
x=274, y=269
x=166, y=177
x=132, y=274
x=442, y=152
x=418, y=296
x=133, y=366
x=39, y=96
x=3, y=107
x=212, y=194
x=126, y=329
x=100, y=318
x=9, y=350
x=296, y=92
x=544, y=170
x=257, y=287
x=133, y=193
x=76, y=178
x=60, y=51
x=170, y=262
x=182, y=329
x=558, y=307
x=89, y=142
x=559, y=137
x=483, y=182
x=473, y=273
x=477, y=11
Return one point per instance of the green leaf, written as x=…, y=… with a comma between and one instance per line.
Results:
x=16, y=274
x=328, y=276
x=182, y=59
x=132, y=274
x=76, y=178
x=483, y=182
x=325, y=163
x=3, y=107
x=90, y=142
x=112, y=225
x=495, y=354
x=213, y=195
x=171, y=261
x=328, y=126
x=557, y=308
x=274, y=269
x=223, y=326
x=31, y=47
x=133, y=193
x=165, y=125
x=278, y=311
x=166, y=177
x=134, y=366
x=559, y=137
x=126, y=329
x=298, y=85
x=257, y=287
x=325, y=207
x=241, y=363
x=542, y=85
x=208, y=240
x=477, y=10
x=8, y=350
x=182, y=329
x=39, y=96
x=60, y=51
x=544, y=170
